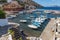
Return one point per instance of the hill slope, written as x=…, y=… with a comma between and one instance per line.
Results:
x=31, y=2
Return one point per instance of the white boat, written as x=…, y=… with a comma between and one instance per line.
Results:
x=37, y=22
x=33, y=26
x=23, y=20
x=21, y=12
x=9, y=17
x=31, y=16
x=47, y=11
x=11, y=23
x=13, y=15
x=40, y=20
x=28, y=18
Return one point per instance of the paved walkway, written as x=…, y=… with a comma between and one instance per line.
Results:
x=58, y=28
x=49, y=31
x=4, y=38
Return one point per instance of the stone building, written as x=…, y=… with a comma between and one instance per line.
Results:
x=13, y=6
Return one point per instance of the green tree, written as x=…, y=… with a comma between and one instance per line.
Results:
x=3, y=0
x=2, y=14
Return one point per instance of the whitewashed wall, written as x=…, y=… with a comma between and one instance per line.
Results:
x=3, y=22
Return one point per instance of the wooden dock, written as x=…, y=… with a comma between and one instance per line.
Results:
x=49, y=31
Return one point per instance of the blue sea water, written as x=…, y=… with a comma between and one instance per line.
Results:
x=48, y=15
x=51, y=8
x=24, y=26
x=29, y=31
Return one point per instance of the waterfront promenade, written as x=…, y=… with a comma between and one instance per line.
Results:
x=4, y=38
x=49, y=31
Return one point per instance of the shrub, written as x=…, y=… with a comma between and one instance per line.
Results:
x=15, y=34
x=3, y=0
x=20, y=38
x=2, y=14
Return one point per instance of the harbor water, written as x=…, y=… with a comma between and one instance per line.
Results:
x=24, y=26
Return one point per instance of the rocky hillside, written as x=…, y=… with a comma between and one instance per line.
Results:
x=36, y=4
x=31, y=2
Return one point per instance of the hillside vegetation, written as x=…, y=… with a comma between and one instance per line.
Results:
x=2, y=14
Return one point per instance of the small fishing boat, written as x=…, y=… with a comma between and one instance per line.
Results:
x=9, y=17
x=13, y=15
x=24, y=21
x=33, y=26
x=37, y=22
x=12, y=23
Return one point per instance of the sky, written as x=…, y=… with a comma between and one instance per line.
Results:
x=48, y=2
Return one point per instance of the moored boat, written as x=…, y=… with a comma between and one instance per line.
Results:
x=33, y=26
x=23, y=21
x=37, y=22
